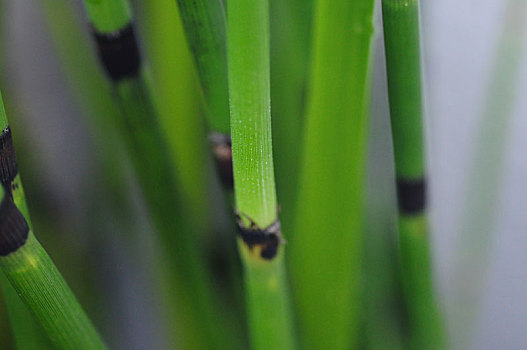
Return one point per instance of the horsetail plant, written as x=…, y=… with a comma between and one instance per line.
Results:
x=29, y=268
x=325, y=255
x=205, y=25
x=403, y=66
x=260, y=241
x=118, y=51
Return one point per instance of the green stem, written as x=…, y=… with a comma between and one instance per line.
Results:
x=26, y=334
x=30, y=270
x=325, y=257
x=44, y=291
x=197, y=309
x=403, y=65
x=270, y=322
x=290, y=34
x=204, y=23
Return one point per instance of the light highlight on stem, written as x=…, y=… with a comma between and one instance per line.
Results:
x=270, y=323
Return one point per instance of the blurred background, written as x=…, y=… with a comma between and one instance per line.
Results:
x=475, y=88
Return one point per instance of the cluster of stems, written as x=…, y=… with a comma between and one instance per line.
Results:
x=118, y=50
x=230, y=46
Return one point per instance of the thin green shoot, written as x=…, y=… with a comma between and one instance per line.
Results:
x=403, y=66
x=270, y=321
x=119, y=53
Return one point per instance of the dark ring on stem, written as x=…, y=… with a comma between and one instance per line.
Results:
x=14, y=229
x=222, y=151
x=8, y=163
x=268, y=238
x=119, y=53
x=411, y=195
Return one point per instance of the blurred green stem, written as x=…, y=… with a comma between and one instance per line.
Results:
x=403, y=65
x=325, y=254
x=270, y=322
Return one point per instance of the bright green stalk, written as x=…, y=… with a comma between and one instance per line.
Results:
x=46, y=294
x=204, y=23
x=108, y=16
x=270, y=322
x=401, y=37
x=327, y=248
x=35, y=277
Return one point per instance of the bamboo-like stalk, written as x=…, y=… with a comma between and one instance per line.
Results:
x=197, y=310
x=204, y=23
x=260, y=243
x=202, y=29
x=401, y=38
x=325, y=256
x=28, y=267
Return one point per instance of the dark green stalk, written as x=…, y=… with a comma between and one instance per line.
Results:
x=204, y=23
x=403, y=65
x=28, y=267
x=260, y=243
x=325, y=256
x=116, y=42
x=290, y=44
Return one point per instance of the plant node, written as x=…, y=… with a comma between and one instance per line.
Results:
x=8, y=163
x=411, y=195
x=14, y=229
x=267, y=239
x=222, y=151
x=119, y=52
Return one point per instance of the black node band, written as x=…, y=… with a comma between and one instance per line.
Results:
x=8, y=163
x=14, y=229
x=222, y=150
x=268, y=239
x=411, y=195
x=119, y=53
